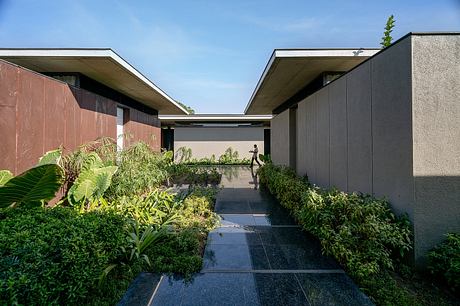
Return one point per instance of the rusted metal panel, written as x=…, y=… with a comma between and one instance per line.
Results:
x=88, y=121
x=38, y=114
x=8, y=137
x=106, y=117
x=54, y=114
x=8, y=84
x=72, y=118
x=30, y=119
x=141, y=127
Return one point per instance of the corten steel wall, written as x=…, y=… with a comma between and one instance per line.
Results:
x=38, y=114
x=140, y=126
x=205, y=141
x=391, y=127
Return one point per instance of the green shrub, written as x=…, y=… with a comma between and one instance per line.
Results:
x=187, y=174
x=444, y=261
x=360, y=231
x=156, y=208
x=55, y=256
x=180, y=253
x=197, y=210
x=140, y=171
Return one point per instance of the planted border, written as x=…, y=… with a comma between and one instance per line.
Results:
x=360, y=231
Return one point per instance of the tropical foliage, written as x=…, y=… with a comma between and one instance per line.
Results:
x=114, y=220
x=360, y=231
x=192, y=174
x=183, y=155
x=33, y=187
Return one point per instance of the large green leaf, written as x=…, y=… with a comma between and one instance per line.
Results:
x=5, y=176
x=36, y=184
x=92, y=160
x=51, y=157
x=91, y=184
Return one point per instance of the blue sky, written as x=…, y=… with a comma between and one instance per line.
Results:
x=210, y=54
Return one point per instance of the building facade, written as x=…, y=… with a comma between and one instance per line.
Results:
x=390, y=127
x=58, y=104
x=212, y=135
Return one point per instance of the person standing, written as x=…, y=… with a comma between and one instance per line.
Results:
x=255, y=153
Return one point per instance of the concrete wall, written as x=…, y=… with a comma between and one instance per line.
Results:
x=390, y=127
x=281, y=139
x=38, y=114
x=436, y=137
x=206, y=141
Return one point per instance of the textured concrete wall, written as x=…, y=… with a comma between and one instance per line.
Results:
x=359, y=129
x=38, y=114
x=436, y=138
x=391, y=127
x=355, y=133
x=280, y=139
x=338, y=134
x=322, y=136
x=206, y=141
x=302, y=128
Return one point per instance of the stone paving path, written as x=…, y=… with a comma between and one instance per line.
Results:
x=258, y=256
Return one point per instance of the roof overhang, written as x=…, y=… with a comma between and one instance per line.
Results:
x=216, y=118
x=290, y=70
x=102, y=65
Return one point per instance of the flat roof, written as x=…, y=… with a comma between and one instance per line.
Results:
x=101, y=64
x=205, y=118
x=290, y=70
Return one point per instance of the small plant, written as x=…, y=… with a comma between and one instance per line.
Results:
x=444, y=261
x=386, y=39
x=183, y=155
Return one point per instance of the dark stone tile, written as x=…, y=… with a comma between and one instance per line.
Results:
x=234, y=257
x=209, y=289
x=295, y=257
x=140, y=290
x=233, y=236
x=232, y=207
x=280, y=217
x=287, y=235
x=332, y=289
x=237, y=220
x=169, y=291
x=262, y=207
x=279, y=289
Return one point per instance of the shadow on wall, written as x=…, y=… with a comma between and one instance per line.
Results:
x=436, y=211
x=96, y=103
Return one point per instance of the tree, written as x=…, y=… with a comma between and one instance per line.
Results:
x=187, y=108
x=386, y=39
